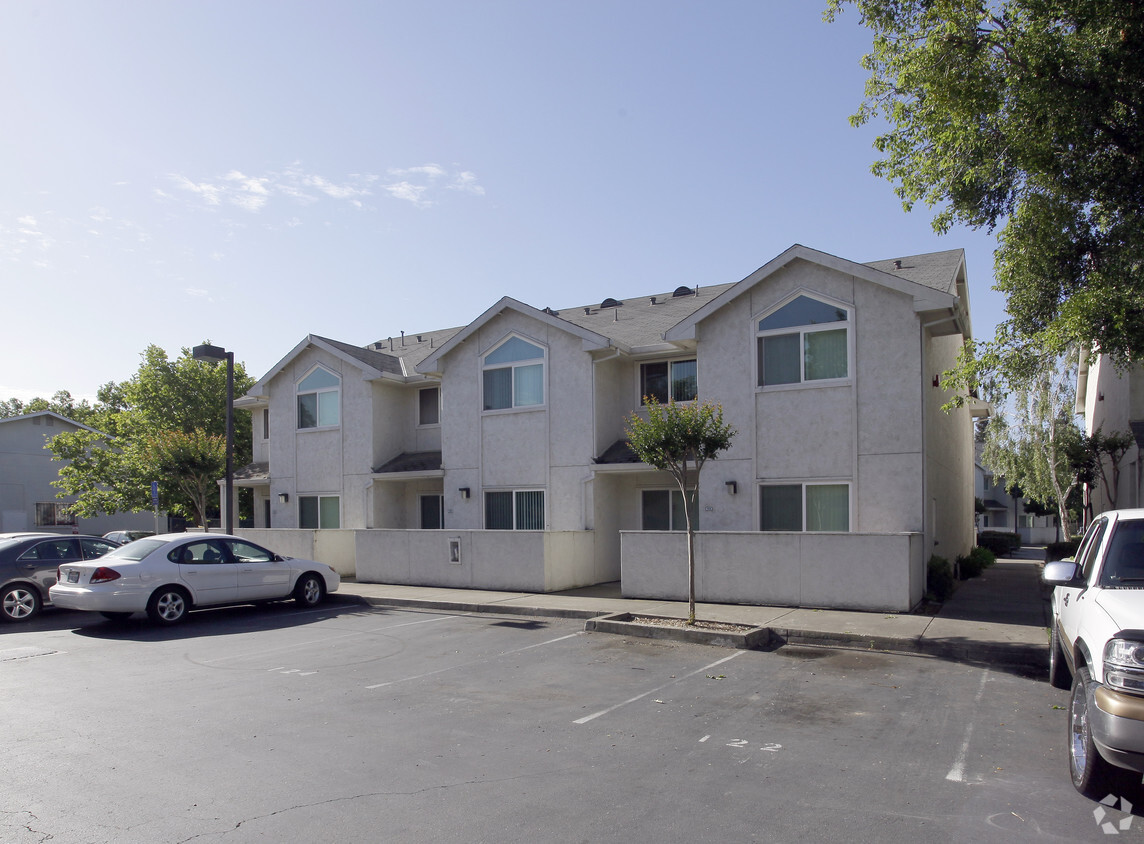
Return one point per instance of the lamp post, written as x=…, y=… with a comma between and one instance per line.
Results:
x=217, y=354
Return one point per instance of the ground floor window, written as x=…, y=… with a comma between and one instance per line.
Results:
x=664, y=509
x=319, y=512
x=51, y=514
x=432, y=510
x=518, y=509
x=804, y=507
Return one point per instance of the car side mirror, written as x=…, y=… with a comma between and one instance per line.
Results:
x=1062, y=573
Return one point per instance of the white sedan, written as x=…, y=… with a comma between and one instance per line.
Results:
x=166, y=576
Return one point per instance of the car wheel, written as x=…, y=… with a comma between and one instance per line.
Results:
x=309, y=591
x=1092, y=775
x=168, y=605
x=19, y=603
x=1058, y=669
x=116, y=616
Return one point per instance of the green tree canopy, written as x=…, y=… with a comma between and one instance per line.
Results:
x=164, y=424
x=62, y=403
x=679, y=439
x=1029, y=115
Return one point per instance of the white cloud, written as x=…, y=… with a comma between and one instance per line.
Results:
x=211, y=194
x=466, y=182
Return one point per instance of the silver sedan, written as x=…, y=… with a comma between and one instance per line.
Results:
x=166, y=576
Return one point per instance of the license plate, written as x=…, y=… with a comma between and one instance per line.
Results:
x=73, y=576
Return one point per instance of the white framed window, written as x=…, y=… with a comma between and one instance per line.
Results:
x=804, y=507
x=319, y=512
x=319, y=399
x=513, y=375
x=265, y=423
x=803, y=341
x=514, y=509
x=668, y=381
x=664, y=509
x=52, y=514
x=432, y=511
x=429, y=406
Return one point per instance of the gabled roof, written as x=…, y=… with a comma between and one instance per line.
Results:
x=54, y=415
x=928, y=278
x=591, y=339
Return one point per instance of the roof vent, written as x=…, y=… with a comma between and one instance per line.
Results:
x=587, y=311
x=653, y=298
x=897, y=265
x=682, y=291
x=611, y=303
x=551, y=312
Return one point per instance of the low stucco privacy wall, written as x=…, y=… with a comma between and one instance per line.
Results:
x=518, y=561
x=861, y=571
x=332, y=547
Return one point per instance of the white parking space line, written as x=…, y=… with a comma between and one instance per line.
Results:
x=957, y=772
x=292, y=646
x=476, y=661
x=596, y=715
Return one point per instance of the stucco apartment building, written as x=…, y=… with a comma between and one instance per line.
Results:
x=1112, y=400
x=28, y=500
x=493, y=455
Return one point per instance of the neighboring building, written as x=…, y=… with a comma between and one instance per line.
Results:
x=1007, y=514
x=27, y=498
x=1112, y=400
x=492, y=455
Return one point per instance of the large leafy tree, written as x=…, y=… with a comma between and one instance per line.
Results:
x=1037, y=446
x=167, y=424
x=679, y=439
x=1026, y=115
x=62, y=403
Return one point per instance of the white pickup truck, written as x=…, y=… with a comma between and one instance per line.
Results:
x=1097, y=647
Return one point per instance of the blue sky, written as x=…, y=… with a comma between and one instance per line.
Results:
x=252, y=172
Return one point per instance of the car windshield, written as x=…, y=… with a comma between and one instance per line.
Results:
x=136, y=550
x=1124, y=563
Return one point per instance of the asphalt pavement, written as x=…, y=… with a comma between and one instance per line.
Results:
x=999, y=618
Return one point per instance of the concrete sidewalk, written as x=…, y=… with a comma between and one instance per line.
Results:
x=999, y=618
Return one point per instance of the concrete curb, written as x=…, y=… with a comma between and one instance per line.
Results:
x=750, y=638
x=1001, y=654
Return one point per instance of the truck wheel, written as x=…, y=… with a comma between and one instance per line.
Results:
x=1091, y=774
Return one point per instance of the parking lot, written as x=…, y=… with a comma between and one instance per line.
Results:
x=350, y=723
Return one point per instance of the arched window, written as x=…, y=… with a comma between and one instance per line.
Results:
x=804, y=340
x=513, y=375
x=319, y=399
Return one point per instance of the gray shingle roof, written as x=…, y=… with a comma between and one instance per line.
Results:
x=411, y=461
x=934, y=269
x=636, y=321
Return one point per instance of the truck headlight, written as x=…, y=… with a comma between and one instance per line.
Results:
x=1124, y=665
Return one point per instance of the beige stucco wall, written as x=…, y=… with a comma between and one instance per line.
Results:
x=876, y=572
x=949, y=459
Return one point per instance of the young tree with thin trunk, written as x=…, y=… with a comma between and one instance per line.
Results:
x=678, y=439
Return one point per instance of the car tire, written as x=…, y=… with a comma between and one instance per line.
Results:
x=168, y=605
x=1058, y=668
x=310, y=590
x=116, y=616
x=19, y=602
x=1092, y=775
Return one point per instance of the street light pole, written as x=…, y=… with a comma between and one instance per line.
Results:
x=219, y=354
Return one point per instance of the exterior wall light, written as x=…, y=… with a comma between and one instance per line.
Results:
x=283, y=497
x=732, y=487
x=464, y=492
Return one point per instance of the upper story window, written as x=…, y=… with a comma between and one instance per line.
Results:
x=429, y=406
x=804, y=340
x=266, y=423
x=514, y=375
x=668, y=381
x=319, y=399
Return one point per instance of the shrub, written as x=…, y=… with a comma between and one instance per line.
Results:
x=1060, y=550
x=975, y=562
x=1000, y=543
x=939, y=578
